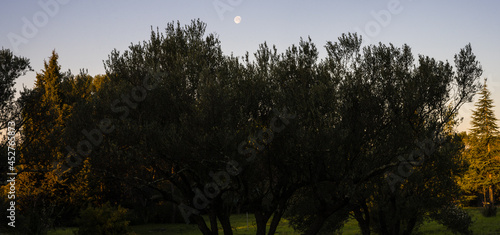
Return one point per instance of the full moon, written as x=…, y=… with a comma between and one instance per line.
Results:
x=237, y=19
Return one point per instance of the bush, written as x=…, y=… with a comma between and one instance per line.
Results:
x=489, y=210
x=106, y=220
x=454, y=218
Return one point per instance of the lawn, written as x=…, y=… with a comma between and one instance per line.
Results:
x=482, y=225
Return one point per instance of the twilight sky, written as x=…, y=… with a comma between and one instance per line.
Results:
x=83, y=33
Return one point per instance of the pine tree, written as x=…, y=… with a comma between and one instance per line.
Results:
x=43, y=114
x=46, y=111
x=50, y=81
x=483, y=121
x=483, y=150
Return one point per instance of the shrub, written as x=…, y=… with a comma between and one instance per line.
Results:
x=106, y=220
x=454, y=218
x=489, y=210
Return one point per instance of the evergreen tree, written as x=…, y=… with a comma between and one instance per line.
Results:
x=483, y=150
x=43, y=115
x=45, y=110
x=483, y=121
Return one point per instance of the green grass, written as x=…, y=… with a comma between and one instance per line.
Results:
x=482, y=225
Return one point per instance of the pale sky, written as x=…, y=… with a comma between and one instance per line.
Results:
x=83, y=33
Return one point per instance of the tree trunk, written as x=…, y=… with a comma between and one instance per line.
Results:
x=202, y=225
x=484, y=197
x=213, y=222
x=397, y=226
x=396, y=221
x=362, y=215
x=492, y=196
x=316, y=226
x=225, y=222
x=363, y=222
x=382, y=223
x=261, y=219
x=410, y=226
x=174, y=206
x=275, y=222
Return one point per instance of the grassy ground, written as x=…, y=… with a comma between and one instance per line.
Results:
x=482, y=225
